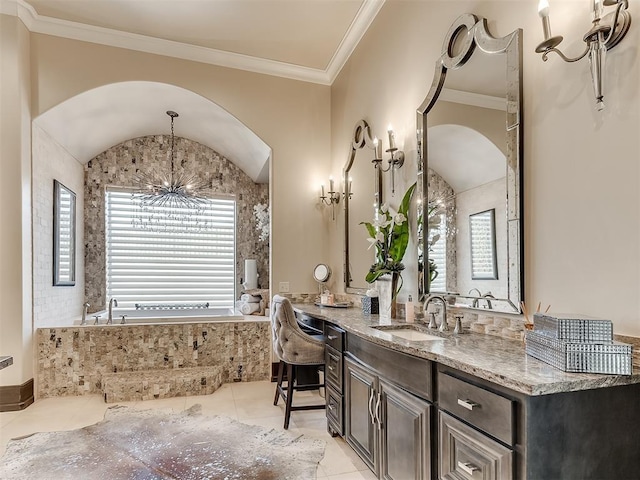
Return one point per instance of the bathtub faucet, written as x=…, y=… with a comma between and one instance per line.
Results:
x=113, y=302
x=84, y=314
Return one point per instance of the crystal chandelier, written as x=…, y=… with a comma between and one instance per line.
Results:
x=171, y=189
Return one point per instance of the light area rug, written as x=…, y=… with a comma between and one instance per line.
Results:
x=131, y=444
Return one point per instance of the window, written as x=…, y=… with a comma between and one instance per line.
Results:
x=438, y=253
x=482, y=227
x=154, y=257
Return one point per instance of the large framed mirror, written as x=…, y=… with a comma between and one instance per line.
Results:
x=363, y=193
x=470, y=153
x=64, y=235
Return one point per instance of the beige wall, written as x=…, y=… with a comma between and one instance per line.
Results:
x=15, y=202
x=582, y=169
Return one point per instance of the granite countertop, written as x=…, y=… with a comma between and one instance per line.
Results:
x=5, y=362
x=498, y=360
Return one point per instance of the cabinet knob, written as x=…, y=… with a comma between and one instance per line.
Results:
x=330, y=368
x=468, y=404
x=467, y=467
x=332, y=337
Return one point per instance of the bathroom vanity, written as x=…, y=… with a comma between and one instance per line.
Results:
x=469, y=406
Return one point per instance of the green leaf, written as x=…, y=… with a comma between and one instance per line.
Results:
x=370, y=228
x=400, y=233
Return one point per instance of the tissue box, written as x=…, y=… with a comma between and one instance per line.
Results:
x=370, y=305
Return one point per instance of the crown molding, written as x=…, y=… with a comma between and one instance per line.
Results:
x=474, y=99
x=114, y=38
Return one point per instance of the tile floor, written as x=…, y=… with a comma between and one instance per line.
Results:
x=251, y=403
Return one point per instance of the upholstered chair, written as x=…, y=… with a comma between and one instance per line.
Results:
x=294, y=348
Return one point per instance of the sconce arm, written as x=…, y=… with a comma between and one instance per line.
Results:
x=563, y=56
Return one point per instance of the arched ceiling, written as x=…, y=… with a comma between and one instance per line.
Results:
x=463, y=157
x=91, y=122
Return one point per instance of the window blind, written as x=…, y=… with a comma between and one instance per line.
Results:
x=439, y=255
x=176, y=255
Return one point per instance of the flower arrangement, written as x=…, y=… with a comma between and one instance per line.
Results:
x=389, y=234
x=261, y=212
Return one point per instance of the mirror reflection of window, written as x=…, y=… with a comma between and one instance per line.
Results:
x=64, y=236
x=482, y=232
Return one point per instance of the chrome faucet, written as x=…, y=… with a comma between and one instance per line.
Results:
x=474, y=304
x=84, y=314
x=487, y=296
x=113, y=302
x=443, y=324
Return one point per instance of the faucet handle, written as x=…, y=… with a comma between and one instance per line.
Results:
x=97, y=317
x=458, y=327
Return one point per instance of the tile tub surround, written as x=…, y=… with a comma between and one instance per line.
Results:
x=118, y=166
x=492, y=358
x=72, y=360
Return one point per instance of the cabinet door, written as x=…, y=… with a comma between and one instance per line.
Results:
x=360, y=398
x=405, y=426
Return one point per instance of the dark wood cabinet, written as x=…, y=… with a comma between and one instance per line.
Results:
x=334, y=378
x=389, y=427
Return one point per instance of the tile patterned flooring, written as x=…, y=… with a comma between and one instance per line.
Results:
x=250, y=403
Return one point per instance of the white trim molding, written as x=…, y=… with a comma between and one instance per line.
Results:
x=105, y=36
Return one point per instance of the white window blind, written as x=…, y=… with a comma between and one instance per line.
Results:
x=154, y=257
x=439, y=255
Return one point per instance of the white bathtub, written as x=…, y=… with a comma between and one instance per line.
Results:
x=192, y=315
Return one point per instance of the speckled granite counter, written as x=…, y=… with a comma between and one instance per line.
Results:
x=495, y=359
x=5, y=362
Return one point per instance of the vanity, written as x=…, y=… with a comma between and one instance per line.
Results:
x=469, y=406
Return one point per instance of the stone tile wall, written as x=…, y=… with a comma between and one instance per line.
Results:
x=72, y=360
x=118, y=166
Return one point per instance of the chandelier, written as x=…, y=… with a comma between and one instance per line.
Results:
x=171, y=189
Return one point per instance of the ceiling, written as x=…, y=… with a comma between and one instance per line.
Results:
x=308, y=40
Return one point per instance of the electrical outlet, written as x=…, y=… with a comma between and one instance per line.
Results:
x=284, y=287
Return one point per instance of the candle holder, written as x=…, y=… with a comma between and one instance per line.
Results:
x=331, y=199
x=394, y=163
x=606, y=32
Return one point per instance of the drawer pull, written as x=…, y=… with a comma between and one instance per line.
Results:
x=467, y=467
x=468, y=404
x=332, y=406
x=332, y=337
x=330, y=368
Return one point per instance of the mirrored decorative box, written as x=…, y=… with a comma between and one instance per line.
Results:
x=370, y=305
x=573, y=327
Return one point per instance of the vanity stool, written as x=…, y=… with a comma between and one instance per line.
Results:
x=293, y=348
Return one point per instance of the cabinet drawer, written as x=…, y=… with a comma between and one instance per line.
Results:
x=465, y=453
x=333, y=368
x=334, y=410
x=335, y=336
x=486, y=410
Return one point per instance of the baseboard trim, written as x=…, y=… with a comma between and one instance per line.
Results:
x=16, y=397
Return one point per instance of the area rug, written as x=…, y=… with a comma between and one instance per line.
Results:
x=131, y=444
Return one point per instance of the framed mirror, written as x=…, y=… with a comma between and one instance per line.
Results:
x=364, y=188
x=470, y=163
x=64, y=235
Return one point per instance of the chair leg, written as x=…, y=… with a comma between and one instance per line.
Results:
x=291, y=373
x=279, y=382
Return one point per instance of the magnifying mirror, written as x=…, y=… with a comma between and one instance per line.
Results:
x=321, y=273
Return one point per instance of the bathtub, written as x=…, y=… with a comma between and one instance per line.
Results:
x=191, y=315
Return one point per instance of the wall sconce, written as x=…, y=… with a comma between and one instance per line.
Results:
x=395, y=162
x=348, y=189
x=605, y=34
x=332, y=199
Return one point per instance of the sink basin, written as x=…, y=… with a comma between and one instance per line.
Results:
x=410, y=334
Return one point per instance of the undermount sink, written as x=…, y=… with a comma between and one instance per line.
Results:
x=408, y=333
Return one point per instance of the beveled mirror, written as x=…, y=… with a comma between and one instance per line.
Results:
x=64, y=235
x=470, y=149
x=363, y=191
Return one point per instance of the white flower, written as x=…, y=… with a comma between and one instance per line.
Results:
x=384, y=208
x=379, y=238
x=399, y=219
x=381, y=222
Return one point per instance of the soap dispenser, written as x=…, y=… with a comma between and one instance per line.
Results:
x=409, y=312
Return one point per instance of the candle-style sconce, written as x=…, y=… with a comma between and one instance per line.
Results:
x=348, y=189
x=331, y=199
x=394, y=163
x=605, y=33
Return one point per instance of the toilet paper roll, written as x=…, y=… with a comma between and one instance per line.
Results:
x=250, y=274
x=249, y=308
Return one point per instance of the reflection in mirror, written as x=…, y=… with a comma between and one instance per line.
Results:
x=470, y=146
x=359, y=206
x=64, y=235
x=482, y=236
